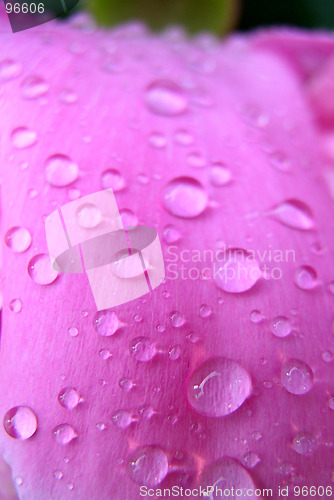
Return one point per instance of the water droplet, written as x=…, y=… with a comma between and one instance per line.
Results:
x=70, y=486
x=195, y=160
x=183, y=138
x=219, y=175
x=9, y=69
x=226, y=474
x=23, y=137
x=304, y=443
x=250, y=460
x=327, y=356
x=256, y=316
x=218, y=387
x=236, y=270
x=171, y=234
x=68, y=96
x=205, y=311
x=15, y=305
x=64, y=434
x=33, y=87
x=18, y=480
x=40, y=270
x=106, y=323
x=61, y=170
x=73, y=331
x=113, y=179
x=174, y=352
x=331, y=287
x=157, y=140
x=122, y=419
x=143, y=179
x=20, y=422
x=18, y=239
x=295, y=214
x=105, y=354
x=331, y=402
x=148, y=465
x=125, y=266
x=306, y=278
x=165, y=97
x=126, y=384
x=129, y=219
x=69, y=398
x=57, y=474
x=185, y=197
x=89, y=216
x=280, y=161
x=296, y=376
x=142, y=349
x=281, y=326
x=176, y=319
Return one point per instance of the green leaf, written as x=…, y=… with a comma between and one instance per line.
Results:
x=217, y=16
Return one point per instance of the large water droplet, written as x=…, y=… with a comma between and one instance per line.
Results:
x=60, y=170
x=122, y=419
x=297, y=376
x=113, y=179
x=295, y=214
x=218, y=387
x=185, y=197
x=20, y=422
x=219, y=175
x=64, y=434
x=23, y=137
x=227, y=474
x=165, y=97
x=18, y=239
x=69, y=398
x=176, y=319
x=304, y=443
x=33, y=87
x=281, y=326
x=106, y=323
x=236, y=270
x=142, y=349
x=41, y=271
x=148, y=465
x=306, y=278
x=9, y=69
x=89, y=216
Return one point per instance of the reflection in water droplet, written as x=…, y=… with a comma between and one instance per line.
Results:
x=236, y=270
x=297, y=376
x=106, y=323
x=218, y=387
x=89, y=216
x=15, y=305
x=60, y=170
x=64, y=434
x=142, y=349
x=41, y=271
x=33, y=87
x=295, y=214
x=68, y=398
x=281, y=326
x=148, y=465
x=185, y=197
x=304, y=443
x=20, y=422
x=219, y=175
x=23, y=137
x=122, y=419
x=113, y=179
x=18, y=239
x=165, y=97
x=176, y=319
x=306, y=278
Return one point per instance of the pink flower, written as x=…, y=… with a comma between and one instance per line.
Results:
x=222, y=375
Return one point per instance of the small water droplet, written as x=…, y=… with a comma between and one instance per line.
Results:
x=174, y=352
x=18, y=480
x=218, y=387
x=9, y=70
x=280, y=161
x=33, y=87
x=157, y=140
x=70, y=486
x=304, y=443
x=281, y=326
x=171, y=234
x=306, y=278
x=57, y=474
x=165, y=97
x=176, y=319
x=297, y=376
x=331, y=287
x=236, y=270
x=20, y=422
x=256, y=316
x=68, y=96
x=142, y=349
x=69, y=398
x=89, y=216
x=126, y=384
x=327, y=356
x=129, y=219
x=143, y=179
x=101, y=426
x=73, y=331
x=295, y=214
x=122, y=419
x=219, y=175
x=250, y=460
x=331, y=402
x=183, y=138
x=106, y=323
x=18, y=239
x=148, y=465
x=23, y=137
x=185, y=197
x=105, y=354
x=64, y=434
x=205, y=311
x=113, y=179
x=41, y=271
x=196, y=160
x=60, y=170
x=15, y=305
